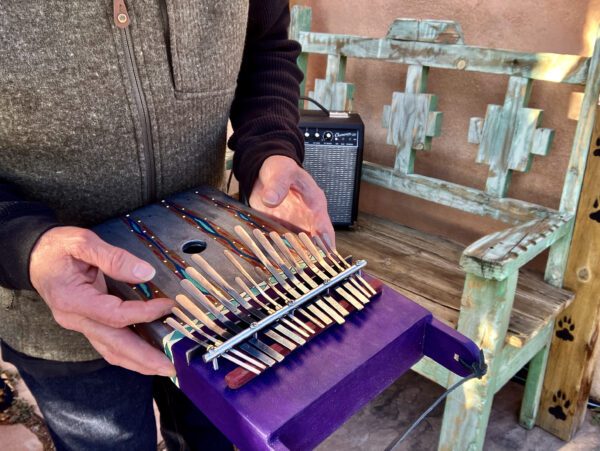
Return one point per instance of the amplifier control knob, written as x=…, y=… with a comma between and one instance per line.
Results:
x=317, y=135
x=328, y=136
x=306, y=135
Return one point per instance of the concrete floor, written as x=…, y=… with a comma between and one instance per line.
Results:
x=392, y=412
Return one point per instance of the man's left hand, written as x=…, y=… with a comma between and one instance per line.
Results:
x=288, y=193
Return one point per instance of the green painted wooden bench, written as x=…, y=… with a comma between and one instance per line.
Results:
x=482, y=290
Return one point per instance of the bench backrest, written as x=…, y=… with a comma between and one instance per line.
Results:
x=508, y=136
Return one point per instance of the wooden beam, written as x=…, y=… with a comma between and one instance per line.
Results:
x=557, y=260
x=572, y=69
x=574, y=344
x=471, y=200
x=301, y=19
x=499, y=254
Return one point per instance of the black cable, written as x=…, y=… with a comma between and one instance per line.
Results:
x=478, y=370
x=321, y=107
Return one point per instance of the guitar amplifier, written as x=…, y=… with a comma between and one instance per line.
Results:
x=333, y=155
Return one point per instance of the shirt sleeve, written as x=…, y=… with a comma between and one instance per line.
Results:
x=264, y=113
x=22, y=222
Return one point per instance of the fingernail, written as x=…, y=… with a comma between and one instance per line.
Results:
x=143, y=271
x=270, y=197
x=167, y=371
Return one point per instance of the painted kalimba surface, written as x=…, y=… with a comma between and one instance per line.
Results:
x=275, y=337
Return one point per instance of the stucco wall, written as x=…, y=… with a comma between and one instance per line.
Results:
x=559, y=26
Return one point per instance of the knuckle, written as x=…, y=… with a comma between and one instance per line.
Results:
x=79, y=242
x=62, y=320
x=117, y=258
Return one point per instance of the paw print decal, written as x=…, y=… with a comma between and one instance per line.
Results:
x=595, y=215
x=561, y=403
x=565, y=329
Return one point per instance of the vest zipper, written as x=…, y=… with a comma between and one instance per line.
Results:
x=122, y=21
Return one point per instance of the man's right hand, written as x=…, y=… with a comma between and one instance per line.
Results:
x=67, y=269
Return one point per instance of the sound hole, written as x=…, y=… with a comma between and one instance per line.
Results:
x=193, y=247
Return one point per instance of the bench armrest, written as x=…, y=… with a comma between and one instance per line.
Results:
x=499, y=254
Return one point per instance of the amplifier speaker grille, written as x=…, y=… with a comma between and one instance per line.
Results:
x=334, y=170
x=333, y=156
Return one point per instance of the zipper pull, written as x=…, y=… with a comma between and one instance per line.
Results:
x=120, y=14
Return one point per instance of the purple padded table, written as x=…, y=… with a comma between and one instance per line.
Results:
x=299, y=402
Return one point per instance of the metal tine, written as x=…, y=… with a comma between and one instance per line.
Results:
x=321, y=245
x=264, y=242
x=286, y=252
x=314, y=252
x=297, y=246
x=227, y=288
x=232, y=258
x=322, y=321
x=179, y=328
x=300, y=270
x=248, y=241
x=317, y=255
x=224, y=286
x=303, y=311
x=192, y=272
x=341, y=263
x=262, y=239
x=207, y=304
x=190, y=322
x=193, y=291
x=284, y=320
x=189, y=305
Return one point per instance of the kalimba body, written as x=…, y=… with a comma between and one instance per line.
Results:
x=298, y=402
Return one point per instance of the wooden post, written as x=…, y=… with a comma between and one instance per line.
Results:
x=574, y=344
x=301, y=19
x=484, y=315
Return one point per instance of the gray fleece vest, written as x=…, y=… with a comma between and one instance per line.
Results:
x=96, y=120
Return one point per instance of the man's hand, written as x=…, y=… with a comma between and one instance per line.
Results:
x=288, y=193
x=67, y=269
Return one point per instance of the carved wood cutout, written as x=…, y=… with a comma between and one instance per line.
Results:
x=332, y=92
x=509, y=136
x=411, y=119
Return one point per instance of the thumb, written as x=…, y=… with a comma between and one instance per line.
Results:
x=115, y=262
x=276, y=181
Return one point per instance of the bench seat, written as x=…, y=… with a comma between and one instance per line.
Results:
x=425, y=268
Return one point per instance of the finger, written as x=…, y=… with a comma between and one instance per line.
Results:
x=124, y=348
x=114, y=312
x=114, y=262
x=324, y=229
x=313, y=196
x=315, y=200
x=276, y=182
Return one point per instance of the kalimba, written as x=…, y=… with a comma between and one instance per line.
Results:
x=276, y=337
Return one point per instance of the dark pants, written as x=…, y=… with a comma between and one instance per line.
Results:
x=96, y=406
